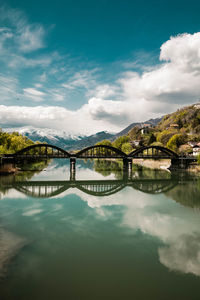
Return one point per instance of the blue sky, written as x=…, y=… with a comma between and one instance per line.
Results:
x=85, y=66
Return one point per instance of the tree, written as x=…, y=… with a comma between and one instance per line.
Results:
x=175, y=141
x=120, y=141
x=126, y=148
x=104, y=142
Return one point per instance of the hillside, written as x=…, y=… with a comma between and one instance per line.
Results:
x=126, y=130
x=177, y=131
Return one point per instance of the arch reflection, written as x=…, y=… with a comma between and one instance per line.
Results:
x=102, y=188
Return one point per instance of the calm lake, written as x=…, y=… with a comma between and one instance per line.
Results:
x=101, y=236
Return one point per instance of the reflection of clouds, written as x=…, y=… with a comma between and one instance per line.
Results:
x=176, y=226
x=159, y=217
x=13, y=194
x=10, y=244
x=183, y=254
x=54, y=171
x=32, y=212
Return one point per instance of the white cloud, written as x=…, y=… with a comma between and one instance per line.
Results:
x=31, y=38
x=132, y=97
x=26, y=37
x=82, y=79
x=34, y=94
x=52, y=117
x=8, y=88
x=19, y=61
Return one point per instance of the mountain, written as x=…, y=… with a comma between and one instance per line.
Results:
x=72, y=142
x=125, y=131
x=60, y=138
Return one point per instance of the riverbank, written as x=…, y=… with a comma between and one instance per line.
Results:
x=8, y=169
x=163, y=164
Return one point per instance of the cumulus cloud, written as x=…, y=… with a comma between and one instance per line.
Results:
x=54, y=117
x=133, y=97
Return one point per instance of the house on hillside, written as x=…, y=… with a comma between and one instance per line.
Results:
x=145, y=128
x=192, y=144
x=135, y=143
x=196, y=150
x=197, y=106
x=174, y=126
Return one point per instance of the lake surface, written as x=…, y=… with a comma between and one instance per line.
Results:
x=102, y=236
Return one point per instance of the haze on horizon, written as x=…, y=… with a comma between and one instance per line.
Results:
x=89, y=66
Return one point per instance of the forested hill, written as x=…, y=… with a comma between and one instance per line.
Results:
x=12, y=142
x=187, y=118
x=178, y=131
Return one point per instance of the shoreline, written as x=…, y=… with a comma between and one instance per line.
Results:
x=162, y=165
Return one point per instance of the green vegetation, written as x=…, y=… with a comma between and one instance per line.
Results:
x=12, y=142
x=174, y=132
x=126, y=148
x=106, y=168
x=105, y=142
x=120, y=141
x=176, y=141
x=198, y=159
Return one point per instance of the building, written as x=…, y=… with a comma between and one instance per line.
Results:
x=174, y=126
x=192, y=144
x=196, y=150
x=135, y=143
x=145, y=128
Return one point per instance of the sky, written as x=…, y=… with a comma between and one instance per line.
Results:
x=86, y=66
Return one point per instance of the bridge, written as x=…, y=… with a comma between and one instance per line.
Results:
x=100, y=188
x=47, y=151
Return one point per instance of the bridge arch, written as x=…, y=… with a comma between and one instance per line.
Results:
x=100, y=151
x=153, y=152
x=154, y=186
x=101, y=190
x=42, y=150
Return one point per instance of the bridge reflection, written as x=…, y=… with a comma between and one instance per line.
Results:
x=48, y=189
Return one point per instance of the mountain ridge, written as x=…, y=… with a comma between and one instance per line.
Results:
x=73, y=142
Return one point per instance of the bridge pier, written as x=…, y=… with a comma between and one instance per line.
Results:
x=72, y=169
x=127, y=168
x=179, y=163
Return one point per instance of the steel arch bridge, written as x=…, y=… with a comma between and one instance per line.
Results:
x=47, y=151
x=153, y=152
x=100, y=151
x=41, y=151
x=97, y=151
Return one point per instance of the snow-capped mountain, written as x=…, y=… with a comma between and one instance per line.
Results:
x=60, y=138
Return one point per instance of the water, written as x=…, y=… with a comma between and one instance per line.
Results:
x=102, y=237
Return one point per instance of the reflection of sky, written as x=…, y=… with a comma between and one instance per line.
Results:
x=176, y=226
x=60, y=170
